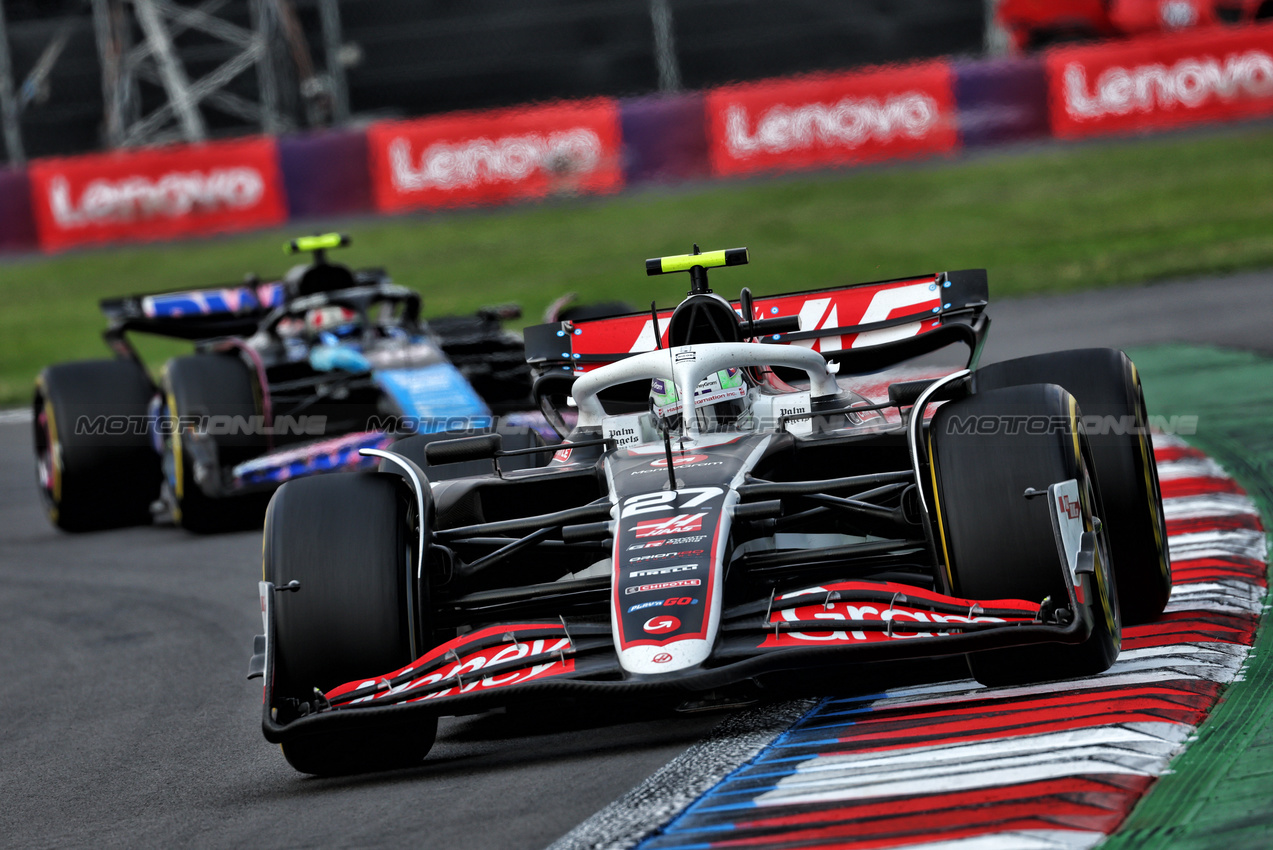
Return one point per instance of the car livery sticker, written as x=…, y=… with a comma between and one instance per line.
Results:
x=669, y=543
x=835, y=605
x=547, y=650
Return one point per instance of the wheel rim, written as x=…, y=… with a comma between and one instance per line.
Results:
x=1106, y=589
x=173, y=462
x=1150, y=470
x=48, y=469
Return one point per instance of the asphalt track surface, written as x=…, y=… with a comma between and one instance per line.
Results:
x=127, y=720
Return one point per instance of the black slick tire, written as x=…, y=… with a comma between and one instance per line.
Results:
x=344, y=538
x=210, y=385
x=1108, y=389
x=998, y=544
x=95, y=462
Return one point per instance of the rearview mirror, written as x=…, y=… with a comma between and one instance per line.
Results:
x=481, y=447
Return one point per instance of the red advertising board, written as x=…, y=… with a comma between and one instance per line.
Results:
x=1215, y=74
x=827, y=120
x=495, y=156
x=159, y=193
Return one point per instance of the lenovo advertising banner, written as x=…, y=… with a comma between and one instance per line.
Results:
x=496, y=156
x=833, y=119
x=1217, y=74
x=161, y=193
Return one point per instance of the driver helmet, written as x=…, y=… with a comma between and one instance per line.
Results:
x=333, y=319
x=720, y=400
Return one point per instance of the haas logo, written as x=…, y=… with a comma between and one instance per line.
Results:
x=662, y=624
x=666, y=527
x=823, y=314
x=1069, y=507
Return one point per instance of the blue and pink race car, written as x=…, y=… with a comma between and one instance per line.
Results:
x=288, y=378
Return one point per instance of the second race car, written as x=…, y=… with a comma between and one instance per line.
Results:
x=288, y=378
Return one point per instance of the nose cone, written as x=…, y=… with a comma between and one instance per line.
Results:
x=652, y=660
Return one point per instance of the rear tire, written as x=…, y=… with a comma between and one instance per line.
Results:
x=95, y=481
x=345, y=538
x=1106, y=384
x=215, y=385
x=998, y=544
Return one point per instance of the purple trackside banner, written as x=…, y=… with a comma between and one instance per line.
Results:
x=1001, y=101
x=664, y=138
x=17, y=225
x=325, y=174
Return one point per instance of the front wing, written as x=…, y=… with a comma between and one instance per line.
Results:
x=832, y=624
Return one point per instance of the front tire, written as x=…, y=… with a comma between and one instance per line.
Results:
x=997, y=543
x=95, y=463
x=1108, y=390
x=345, y=538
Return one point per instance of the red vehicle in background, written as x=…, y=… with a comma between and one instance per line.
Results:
x=1034, y=24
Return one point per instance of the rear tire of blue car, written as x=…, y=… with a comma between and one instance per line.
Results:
x=95, y=462
x=998, y=544
x=1107, y=385
x=221, y=386
x=344, y=538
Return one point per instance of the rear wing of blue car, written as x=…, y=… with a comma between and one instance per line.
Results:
x=208, y=313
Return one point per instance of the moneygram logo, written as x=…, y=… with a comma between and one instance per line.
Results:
x=173, y=195
x=679, y=460
x=483, y=160
x=662, y=624
x=850, y=122
x=1189, y=83
x=675, y=525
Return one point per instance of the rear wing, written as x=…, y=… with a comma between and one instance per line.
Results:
x=865, y=327
x=197, y=314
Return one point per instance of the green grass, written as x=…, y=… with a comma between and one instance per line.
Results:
x=1051, y=220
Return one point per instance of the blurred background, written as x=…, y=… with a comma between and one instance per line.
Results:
x=330, y=62
x=492, y=151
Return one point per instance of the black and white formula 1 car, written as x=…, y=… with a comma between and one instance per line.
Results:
x=288, y=378
x=751, y=487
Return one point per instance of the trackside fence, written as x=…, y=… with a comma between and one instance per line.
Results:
x=602, y=145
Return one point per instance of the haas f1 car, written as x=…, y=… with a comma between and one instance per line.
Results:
x=751, y=487
x=288, y=378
